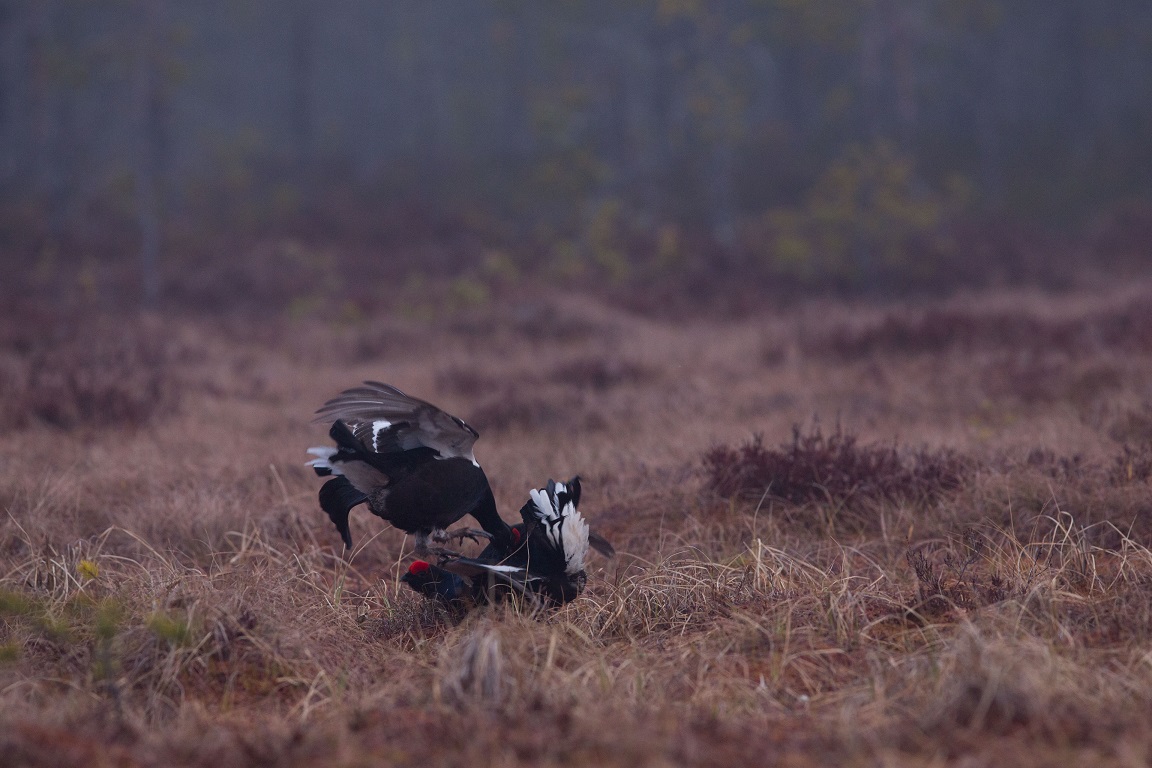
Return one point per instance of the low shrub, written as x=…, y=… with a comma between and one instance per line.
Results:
x=85, y=371
x=815, y=467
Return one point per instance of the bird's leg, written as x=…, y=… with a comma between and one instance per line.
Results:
x=459, y=534
x=438, y=535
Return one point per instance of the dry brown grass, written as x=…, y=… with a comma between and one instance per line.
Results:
x=170, y=593
x=78, y=370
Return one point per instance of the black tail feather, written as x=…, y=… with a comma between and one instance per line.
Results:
x=601, y=544
x=492, y=581
x=345, y=440
x=573, y=488
x=337, y=497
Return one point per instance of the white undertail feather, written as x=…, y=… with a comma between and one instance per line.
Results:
x=574, y=534
x=566, y=527
x=364, y=477
x=323, y=459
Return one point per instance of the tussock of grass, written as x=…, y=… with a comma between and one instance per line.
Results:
x=1000, y=686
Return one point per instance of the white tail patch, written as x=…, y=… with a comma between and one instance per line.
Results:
x=497, y=568
x=574, y=537
x=565, y=528
x=378, y=426
x=544, y=509
x=323, y=459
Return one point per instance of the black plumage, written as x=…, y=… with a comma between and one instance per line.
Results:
x=545, y=563
x=453, y=592
x=411, y=462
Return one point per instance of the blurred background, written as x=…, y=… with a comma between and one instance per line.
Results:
x=354, y=156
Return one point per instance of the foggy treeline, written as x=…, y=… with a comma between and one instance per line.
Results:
x=811, y=137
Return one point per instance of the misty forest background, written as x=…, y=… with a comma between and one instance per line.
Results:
x=357, y=156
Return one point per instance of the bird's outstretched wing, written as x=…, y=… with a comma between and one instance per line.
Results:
x=386, y=420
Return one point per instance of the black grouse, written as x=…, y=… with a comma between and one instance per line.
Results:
x=411, y=462
x=435, y=583
x=459, y=594
x=545, y=564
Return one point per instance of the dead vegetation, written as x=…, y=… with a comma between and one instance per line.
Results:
x=81, y=370
x=833, y=469
x=170, y=594
x=1125, y=326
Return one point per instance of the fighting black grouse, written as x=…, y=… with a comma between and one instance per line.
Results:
x=409, y=461
x=545, y=564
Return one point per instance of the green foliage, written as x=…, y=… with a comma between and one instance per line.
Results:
x=14, y=604
x=56, y=628
x=597, y=247
x=470, y=292
x=867, y=218
x=37, y=614
x=499, y=266
x=173, y=630
x=84, y=621
x=107, y=619
x=603, y=235
x=9, y=653
x=832, y=23
x=88, y=570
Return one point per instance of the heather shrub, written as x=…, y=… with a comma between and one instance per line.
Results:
x=86, y=371
x=815, y=467
x=1132, y=465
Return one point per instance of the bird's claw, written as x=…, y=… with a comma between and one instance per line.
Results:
x=444, y=554
x=440, y=536
x=459, y=534
x=425, y=551
x=441, y=554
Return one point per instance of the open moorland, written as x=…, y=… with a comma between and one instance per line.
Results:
x=848, y=535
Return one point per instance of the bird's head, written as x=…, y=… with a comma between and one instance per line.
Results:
x=419, y=573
